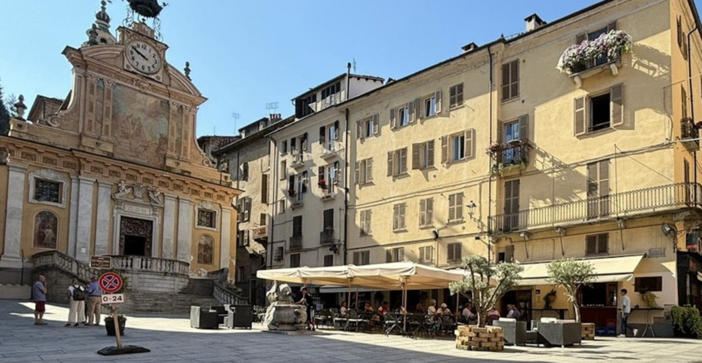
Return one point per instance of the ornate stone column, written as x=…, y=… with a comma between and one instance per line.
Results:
x=102, y=225
x=13, y=223
x=169, y=211
x=185, y=229
x=85, y=218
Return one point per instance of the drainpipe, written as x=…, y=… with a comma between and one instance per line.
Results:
x=692, y=102
x=269, y=256
x=348, y=167
x=489, y=213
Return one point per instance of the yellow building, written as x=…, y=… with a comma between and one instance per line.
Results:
x=496, y=152
x=114, y=169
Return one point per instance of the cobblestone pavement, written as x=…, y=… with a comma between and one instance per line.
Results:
x=171, y=339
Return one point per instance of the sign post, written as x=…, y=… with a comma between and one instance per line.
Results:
x=111, y=282
x=100, y=262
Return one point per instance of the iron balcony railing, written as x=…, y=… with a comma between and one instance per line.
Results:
x=689, y=133
x=640, y=201
x=295, y=243
x=326, y=237
x=515, y=152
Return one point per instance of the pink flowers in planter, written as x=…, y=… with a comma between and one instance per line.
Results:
x=611, y=45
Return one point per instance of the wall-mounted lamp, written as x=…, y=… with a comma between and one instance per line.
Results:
x=436, y=234
x=561, y=231
x=620, y=223
x=525, y=235
x=471, y=206
x=335, y=248
x=668, y=229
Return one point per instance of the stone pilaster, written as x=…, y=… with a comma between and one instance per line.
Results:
x=73, y=217
x=225, y=238
x=13, y=222
x=102, y=226
x=185, y=229
x=85, y=218
x=169, y=213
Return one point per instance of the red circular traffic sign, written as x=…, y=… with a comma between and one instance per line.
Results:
x=110, y=282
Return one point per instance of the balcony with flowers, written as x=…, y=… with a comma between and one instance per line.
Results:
x=592, y=57
x=510, y=156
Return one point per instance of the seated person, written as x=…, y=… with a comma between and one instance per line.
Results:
x=444, y=310
x=343, y=310
x=420, y=308
x=368, y=308
x=513, y=312
x=384, y=309
x=468, y=315
x=431, y=310
x=492, y=315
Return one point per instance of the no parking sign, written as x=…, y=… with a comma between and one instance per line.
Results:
x=110, y=282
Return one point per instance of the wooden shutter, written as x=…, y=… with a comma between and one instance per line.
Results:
x=304, y=182
x=603, y=187
x=320, y=173
x=514, y=79
x=336, y=130
x=415, y=110
x=304, y=142
x=369, y=229
x=430, y=211
x=357, y=173
x=376, y=124
x=297, y=226
x=392, y=119
x=430, y=153
x=452, y=209
x=291, y=182
x=264, y=189
x=602, y=243
x=368, y=174
x=505, y=81
x=395, y=216
x=509, y=253
x=524, y=127
x=388, y=256
x=328, y=219
x=293, y=144
x=402, y=215
x=612, y=26
x=391, y=155
x=322, y=134
x=459, y=206
x=400, y=254
x=580, y=116
x=403, y=160
x=437, y=97
x=359, y=130
x=469, y=143
x=616, y=97
x=415, y=156
x=580, y=38
x=444, y=149
x=591, y=244
x=422, y=212
x=362, y=223
x=499, y=138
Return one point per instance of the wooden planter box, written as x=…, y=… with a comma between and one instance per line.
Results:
x=588, y=331
x=472, y=337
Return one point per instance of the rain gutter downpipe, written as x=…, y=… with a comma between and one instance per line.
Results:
x=692, y=103
x=489, y=213
x=347, y=165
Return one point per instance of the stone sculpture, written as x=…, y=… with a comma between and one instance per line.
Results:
x=282, y=313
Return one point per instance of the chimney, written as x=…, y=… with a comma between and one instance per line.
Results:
x=274, y=117
x=533, y=22
x=469, y=47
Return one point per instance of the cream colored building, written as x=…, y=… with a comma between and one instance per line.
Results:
x=309, y=179
x=496, y=152
x=116, y=170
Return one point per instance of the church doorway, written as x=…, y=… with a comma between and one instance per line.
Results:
x=135, y=236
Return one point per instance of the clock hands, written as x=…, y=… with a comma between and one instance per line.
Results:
x=138, y=52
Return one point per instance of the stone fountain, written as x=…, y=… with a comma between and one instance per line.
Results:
x=282, y=314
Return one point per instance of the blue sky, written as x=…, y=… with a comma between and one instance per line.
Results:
x=245, y=54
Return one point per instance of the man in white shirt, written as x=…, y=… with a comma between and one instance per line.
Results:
x=626, y=310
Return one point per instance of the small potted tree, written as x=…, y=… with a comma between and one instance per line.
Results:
x=110, y=324
x=570, y=275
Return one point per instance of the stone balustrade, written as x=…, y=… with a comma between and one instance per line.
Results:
x=150, y=264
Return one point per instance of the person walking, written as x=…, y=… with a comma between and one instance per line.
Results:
x=94, y=301
x=76, y=297
x=306, y=300
x=39, y=297
x=626, y=310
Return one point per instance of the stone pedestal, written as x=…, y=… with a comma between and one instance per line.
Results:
x=285, y=317
x=588, y=331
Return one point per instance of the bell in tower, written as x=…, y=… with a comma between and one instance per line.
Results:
x=146, y=8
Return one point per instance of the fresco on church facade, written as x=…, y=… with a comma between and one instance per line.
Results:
x=140, y=124
x=45, y=230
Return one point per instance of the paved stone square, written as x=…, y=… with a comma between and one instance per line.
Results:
x=171, y=339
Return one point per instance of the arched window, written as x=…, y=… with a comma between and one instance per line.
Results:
x=45, y=230
x=205, y=249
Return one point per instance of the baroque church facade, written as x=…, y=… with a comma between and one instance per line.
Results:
x=115, y=169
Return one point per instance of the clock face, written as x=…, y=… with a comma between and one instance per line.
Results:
x=143, y=57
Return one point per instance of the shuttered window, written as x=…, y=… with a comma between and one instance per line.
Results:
x=598, y=189
x=454, y=252
x=395, y=254
x=368, y=127
x=597, y=244
x=423, y=155
x=426, y=254
x=456, y=95
x=328, y=260
x=361, y=258
x=594, y=113
x=364, y=171
x=426, y=212
x=297, y=226
x=511, y=206
x=365, y=222
x=398, y=217
x=455, y=213
x=264, y=188
x=328, y=219
x=457, y=147
x=397, y=162
x=295, y=260
x=510, y=80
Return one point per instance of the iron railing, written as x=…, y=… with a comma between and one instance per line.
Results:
x=689, y=133
x=295, y=243
x=513, y=153
x=326, y=237
x=619, y=205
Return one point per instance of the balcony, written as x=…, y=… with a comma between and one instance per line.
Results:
x=298, y=159
x=636, y=202
x=326, y=237
x=510, y=156
x=259, y=233
x=689, y=134
x=295, y=243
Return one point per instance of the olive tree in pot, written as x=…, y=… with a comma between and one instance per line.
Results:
x=486, y=282
x=570, y=275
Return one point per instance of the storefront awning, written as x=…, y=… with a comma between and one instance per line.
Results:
x=607, y=269
x=255, y=248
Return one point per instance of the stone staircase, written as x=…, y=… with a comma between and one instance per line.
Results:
x=143, y=293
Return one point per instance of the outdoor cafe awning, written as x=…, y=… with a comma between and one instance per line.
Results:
x=330, y=275
x=607, y=269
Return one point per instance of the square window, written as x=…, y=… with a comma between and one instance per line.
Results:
x=295, y=260
x=430, y=106
x=369, y=128
x=206, y=218
x=329, y=260
x=398, y=217
x=458, y=151
x=644, y=284
x=47, y=191
x=597, y=244
x=600, y=112
x=403, y=115
x=454, y=251
x=456, y=95
x=361, y=258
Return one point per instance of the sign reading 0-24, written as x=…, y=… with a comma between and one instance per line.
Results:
x=143, y=57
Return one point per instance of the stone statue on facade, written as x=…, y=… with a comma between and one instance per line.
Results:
x=122, y=190
x=282, y=314
x=139, y=191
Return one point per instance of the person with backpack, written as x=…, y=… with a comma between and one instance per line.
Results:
x=76, y=296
